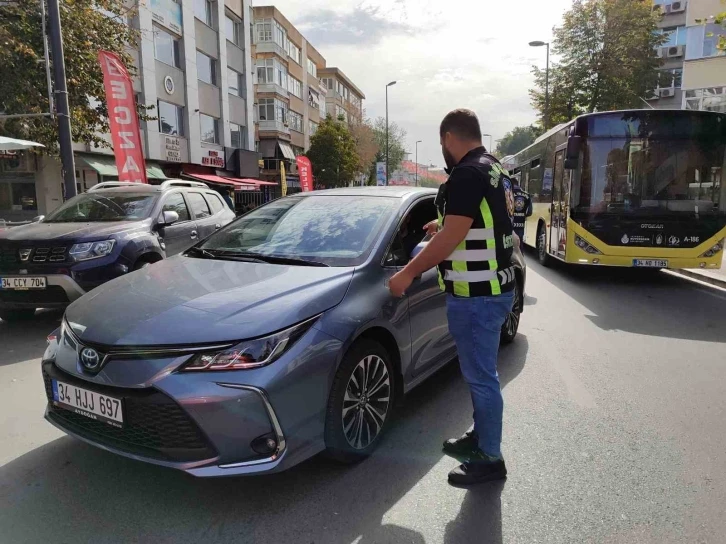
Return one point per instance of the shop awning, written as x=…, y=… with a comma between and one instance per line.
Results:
x=257, y=182
x=286, y=151
x=106, y=166
x=218, y=180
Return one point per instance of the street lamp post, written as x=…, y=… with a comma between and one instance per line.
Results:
x=391, y=84
x=490, y=142
x=417, y=142
x=547, y=82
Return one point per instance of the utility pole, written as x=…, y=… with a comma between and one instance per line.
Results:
x=65, y=139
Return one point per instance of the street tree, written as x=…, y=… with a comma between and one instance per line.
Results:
x=366, y=143
x=517, y=139
x=333, y=154
x=88, y=26
x=396, y=143
x=607, y=52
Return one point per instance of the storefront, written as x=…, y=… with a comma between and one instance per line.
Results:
x=18, y=194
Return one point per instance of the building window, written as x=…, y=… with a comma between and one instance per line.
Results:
x=203, y=10
x=271, y=109
x=675, y=35
x=295, y=120
x=171, y=118
x=279, y=34
x=312, y=128
x=294, y=52
x=209, y=128
x=329, y=83
x=294, y=86
x=166, y=48
x=271, y=71
x=321, y=108
x=313, y=99
x=670, y=79
x=237, y=138
x=711, y=99
x=264, y=31
x=269, y=30
x=206, y=69
x=233, y=29
x=235, y=82
x=713, y=34
x=312, y=68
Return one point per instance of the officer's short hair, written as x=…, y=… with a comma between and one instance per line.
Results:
x=463, y=123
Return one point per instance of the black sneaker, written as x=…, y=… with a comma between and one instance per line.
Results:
x=479, y=468
x=463, y=447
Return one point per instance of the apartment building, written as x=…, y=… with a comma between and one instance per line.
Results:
x=291, y=99
x=343, y=97
x=194, y=64
x=693, y=75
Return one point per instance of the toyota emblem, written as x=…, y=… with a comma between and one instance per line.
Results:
x=90, y=358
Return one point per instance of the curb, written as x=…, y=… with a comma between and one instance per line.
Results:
x=718, y=282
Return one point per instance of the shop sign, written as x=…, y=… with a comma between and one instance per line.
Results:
x=213, y=159
x=168, y=14
x=172, y=149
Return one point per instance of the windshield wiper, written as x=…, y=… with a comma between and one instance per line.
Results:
x=272, y=259
x=201, y=252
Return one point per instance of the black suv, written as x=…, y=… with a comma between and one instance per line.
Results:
x=111, y=230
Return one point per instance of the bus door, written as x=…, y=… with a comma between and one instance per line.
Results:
x=560, y=204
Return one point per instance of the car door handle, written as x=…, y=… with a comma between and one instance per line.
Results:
x=217, y=226
x=194, y=234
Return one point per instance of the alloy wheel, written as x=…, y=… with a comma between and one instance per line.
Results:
x=366, y=402
x=512, y=322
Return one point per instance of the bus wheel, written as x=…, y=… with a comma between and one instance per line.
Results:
x=544, y=257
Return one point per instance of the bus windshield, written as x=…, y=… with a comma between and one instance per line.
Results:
x=645, y=176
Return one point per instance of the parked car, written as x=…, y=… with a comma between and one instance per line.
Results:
x=273, y=340
x=102, y=234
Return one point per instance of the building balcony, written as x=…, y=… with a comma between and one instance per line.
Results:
x=272, y=88
x=274, y=126
x=271, y=47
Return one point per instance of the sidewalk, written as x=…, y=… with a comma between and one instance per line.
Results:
x=714, y=277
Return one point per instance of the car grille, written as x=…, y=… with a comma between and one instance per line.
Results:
x=53, y=294
x=154, y=425
x=22, y=252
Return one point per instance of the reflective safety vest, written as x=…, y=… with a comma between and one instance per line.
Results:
x=481, y=264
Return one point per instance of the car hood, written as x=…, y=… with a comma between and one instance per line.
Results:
x=184, y=300
x=71, y=231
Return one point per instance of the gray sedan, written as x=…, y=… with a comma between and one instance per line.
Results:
x=271, y=341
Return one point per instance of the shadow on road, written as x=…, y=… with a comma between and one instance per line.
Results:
x=93, y=496
x=619, y=298
x=25, y=340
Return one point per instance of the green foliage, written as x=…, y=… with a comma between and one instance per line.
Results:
x=719, y=19
x=608, y=60
x=396, y=143
x=517, y=139
x=86, y=30
x=333, y=154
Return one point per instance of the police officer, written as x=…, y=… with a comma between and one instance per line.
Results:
x=522, y=208
x=473, y=250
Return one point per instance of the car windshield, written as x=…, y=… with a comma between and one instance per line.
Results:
x=104, y=207
x=334, y=230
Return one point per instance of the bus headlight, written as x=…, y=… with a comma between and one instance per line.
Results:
x=714, y=250
x=585, y=246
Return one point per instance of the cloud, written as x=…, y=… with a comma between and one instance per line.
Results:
x=363, y=26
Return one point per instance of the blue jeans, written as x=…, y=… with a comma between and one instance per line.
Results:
x=476, y=324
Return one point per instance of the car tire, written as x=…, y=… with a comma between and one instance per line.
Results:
x=359, y=414
x=542, y=255
x=511, y=323
x=141, y=264
x=17, y=315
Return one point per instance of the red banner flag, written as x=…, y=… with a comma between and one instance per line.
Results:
x=123, y=119
x=305, y=171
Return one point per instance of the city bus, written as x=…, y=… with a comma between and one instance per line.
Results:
x=636, y=188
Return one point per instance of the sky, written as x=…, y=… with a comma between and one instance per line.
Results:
x=444, y=54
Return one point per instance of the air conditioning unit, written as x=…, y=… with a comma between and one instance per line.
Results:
x=677, y=7
x=656, y=7
x=676, y=51
x=667, y=93
x=667, y=9
x=654, y=96
x=660, y=53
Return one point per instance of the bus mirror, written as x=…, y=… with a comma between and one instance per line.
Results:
x=572, y=155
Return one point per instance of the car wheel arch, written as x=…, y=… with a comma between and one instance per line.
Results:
x=149, y=257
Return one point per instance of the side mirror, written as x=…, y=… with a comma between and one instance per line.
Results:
x=168, y=218
x=38, y=219
x=572, y=155
x=419, y=248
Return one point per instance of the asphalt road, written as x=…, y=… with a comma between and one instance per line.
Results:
x=615, y=414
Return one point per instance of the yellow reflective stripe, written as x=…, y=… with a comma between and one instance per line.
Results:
x=486, y=214
x=461, y=288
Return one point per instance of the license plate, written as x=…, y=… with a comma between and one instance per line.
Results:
x=650, y=263
x=23, y=284
x=88, y=403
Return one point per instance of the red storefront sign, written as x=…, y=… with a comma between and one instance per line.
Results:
x=305, y=171
x=123, y=120
x=213, y=158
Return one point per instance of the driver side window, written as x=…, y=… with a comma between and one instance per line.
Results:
x=175, y=203
x=410, y=233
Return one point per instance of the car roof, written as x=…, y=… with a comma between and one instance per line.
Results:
x=151, y=188
x=399, y=191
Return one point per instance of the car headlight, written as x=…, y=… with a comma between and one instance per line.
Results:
x=718, y=246
x=251, y=353
x=91, y=250
x=586, y=246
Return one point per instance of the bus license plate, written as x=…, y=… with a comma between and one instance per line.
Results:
x=650, y=263
x=23, y=284
x=88, y=403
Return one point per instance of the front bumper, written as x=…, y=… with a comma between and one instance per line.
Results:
x=60, y=292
